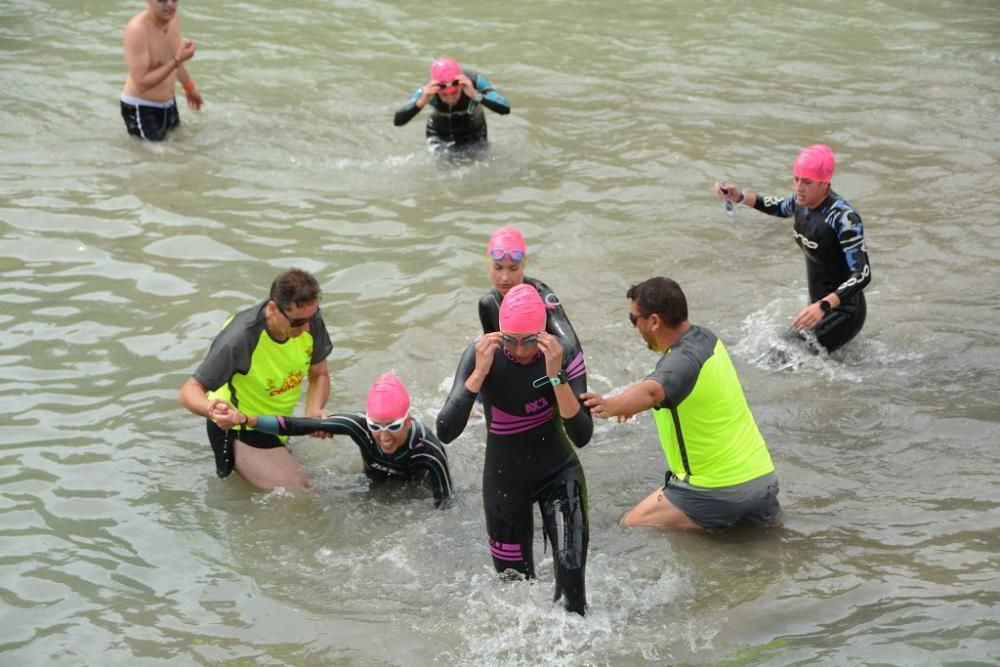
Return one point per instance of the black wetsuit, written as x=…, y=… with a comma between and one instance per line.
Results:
x=556, y=321
x=462, y=124
x=832, y=239
x=422, y=456
x=529, y=458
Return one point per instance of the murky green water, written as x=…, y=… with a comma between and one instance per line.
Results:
x=119, y=261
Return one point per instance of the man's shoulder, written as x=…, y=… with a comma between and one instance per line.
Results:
x=696, y=345
x=246, y=325
x=139, y=22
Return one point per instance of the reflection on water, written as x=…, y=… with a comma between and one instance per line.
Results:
x=120, y=260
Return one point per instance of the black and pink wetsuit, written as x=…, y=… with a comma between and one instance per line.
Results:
x=530, y=458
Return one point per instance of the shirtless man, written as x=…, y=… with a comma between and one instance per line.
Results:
x=155, y=56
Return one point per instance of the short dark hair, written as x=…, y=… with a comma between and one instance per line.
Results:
x=661, y=296
x=294, y=287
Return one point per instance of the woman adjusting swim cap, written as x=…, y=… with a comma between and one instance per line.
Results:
x=815, y=162
x=522, y=311
x=445, y=69
x=388, y=398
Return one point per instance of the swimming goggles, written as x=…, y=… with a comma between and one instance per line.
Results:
x=516, y=255
x=509, y=340
x=391, y=427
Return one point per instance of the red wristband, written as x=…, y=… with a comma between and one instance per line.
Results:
x=189, y=86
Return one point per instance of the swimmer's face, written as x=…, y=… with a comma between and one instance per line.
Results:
x=389, y=441
x=506, y=274
x=808, y=192
x=449, y=92
x=522, y=347
x=291, y=321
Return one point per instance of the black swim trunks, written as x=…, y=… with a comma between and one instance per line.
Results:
x=149, y=120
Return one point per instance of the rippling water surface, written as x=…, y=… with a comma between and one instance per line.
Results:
x=120, y=260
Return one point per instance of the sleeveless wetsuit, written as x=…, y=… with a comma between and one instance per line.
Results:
x=257, y=374
x=556, y=321
x=710, y=438
x=529, y=458
x=832, y=239
x=462, y=124
x=421, y=457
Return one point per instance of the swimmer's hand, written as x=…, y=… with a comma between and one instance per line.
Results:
x=186, y=52
x=486, y=348
x=429, y=90
x=468, y=87
x=553, y=351
x=729, y=192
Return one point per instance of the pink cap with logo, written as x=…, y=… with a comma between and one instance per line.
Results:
x=388, y=398
x=522, y=311
x=445, y=69
x=815, y=162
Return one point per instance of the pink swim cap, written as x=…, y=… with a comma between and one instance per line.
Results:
x=445, y=70
x=522, y=311
x=388, y=398
x=507, y=239
x=815, y=162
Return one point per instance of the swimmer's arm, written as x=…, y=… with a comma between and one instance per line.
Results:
x=406, y=112
x=580, y=427
x=454, y=415
x=434, y=462
x=776, y=206
x=489, y=312
x=338, y=424
x=852, y=242
x=490, y=97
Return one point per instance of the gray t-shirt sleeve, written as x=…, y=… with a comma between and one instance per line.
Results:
x=322, y=345
x=229, y=354
x=677, y=373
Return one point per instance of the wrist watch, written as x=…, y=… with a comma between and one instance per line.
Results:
x=559, y=379
x=824, y=305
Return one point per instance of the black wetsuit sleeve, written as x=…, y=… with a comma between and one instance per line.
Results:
x=405, y=113
x=433, y=459
x=454, y=415
x=489, y=312
x=580, y=427
x=339, y=424
x=492, y=99
x=776, y=206
x=851, y=235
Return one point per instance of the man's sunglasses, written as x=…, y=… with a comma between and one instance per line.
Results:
x=391, y=427
x=633, y=318
x=298, y=321
x=499, y=253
